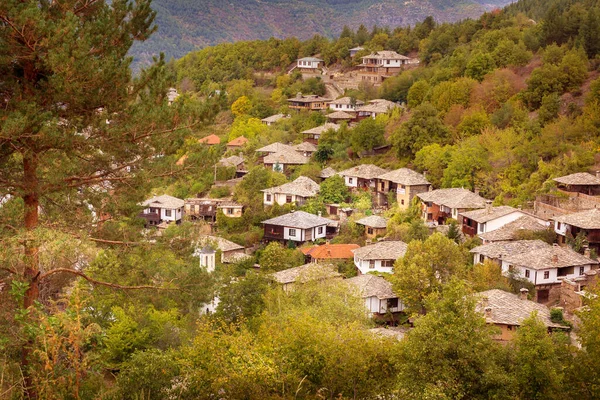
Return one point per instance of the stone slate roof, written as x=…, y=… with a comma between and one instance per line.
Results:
x=315, y=59
x=305, y=146
x=390, y=332
x=222, y=244
x=509, y=309
x=232, y=161
x=310, y=98
x=503, y=249
x=274, y=118
x=580, y=178
x=339, y=115
x=347, y=101
x=319, y=130
x=298, y=219
x=302, y=186
x=238, y=141
x=327, y=173
x=275, y=148
x=386, y=55
x=230, y=204
x=305, y=273
x=405, y=176
x=510, y=230
x=164, y=201
x=484, y=215
x=372, y=286
x=210, y=139
x=330, y=251
x=363, y=171
x=286, y=157
x=453, y=198
x=550, y=257
x=383, y=250
x=588, y=219
x=373, y=221
x=377, y=106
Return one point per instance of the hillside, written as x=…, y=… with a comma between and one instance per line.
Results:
x=184, y=25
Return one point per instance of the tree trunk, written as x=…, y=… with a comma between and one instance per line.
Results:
x=31, y=271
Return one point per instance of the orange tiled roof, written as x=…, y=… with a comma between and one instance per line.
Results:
x=331, y=251
x=211, y=139
x=238, y=141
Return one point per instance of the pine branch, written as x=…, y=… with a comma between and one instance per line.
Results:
x=102, y=283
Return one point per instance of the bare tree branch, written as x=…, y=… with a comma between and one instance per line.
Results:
x=102, y=283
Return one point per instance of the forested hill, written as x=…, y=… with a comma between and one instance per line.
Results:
x=184, y=25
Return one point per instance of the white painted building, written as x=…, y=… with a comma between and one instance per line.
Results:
x=296, y=192
x=309, y=63
x=163, y=208
x=379, y=257
x=488, y=219
x=345, y=104
x=297, y=226
x=377, y=293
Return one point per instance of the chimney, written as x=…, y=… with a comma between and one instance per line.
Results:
x=488, y=206
x=586, y=251
x=524, y=292
x=319, y=213
x=597, y=174
x=555, y=258
x=476, y=190
x=488, y=311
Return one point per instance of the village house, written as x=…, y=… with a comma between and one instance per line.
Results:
x=307, y=149
x=309, y=64
x=276, y=147
x=296, y=192
x=404, y=183
x=283, y=160
x=378, y=294
x=378, y=66
x=586, y=222
x=340, y=116
x=339, y=211
x=273, y=119
x=347, y=104
x=496, y=251
x=362, y=176
x=507, y=311
x=230, y=252
x=161, y=209
x=440, y=204
x=298, y=227
x=374, y=108
x=379, y=257
x=172, y=95
x=327, y=173
x=375, y=226
x=329, y=253
x=314, y=134
x=236, y=162
x=575, y=192
x=237, y=144
x=203, y=208
x=289, y=278
x=353, y=51
x=487, y=219
x=542, y=264
x=311, y=102
x=512, y=230
x=231, y=209
x=210, y=140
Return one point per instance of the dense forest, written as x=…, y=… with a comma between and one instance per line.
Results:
x=94, y=306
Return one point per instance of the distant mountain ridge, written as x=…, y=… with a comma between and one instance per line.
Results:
x=186, y=25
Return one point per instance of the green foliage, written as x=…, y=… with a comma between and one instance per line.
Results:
x=334, y=190
x=275, y=257
x=423, y=128
x=367, y=135
x=242, y=299
x=417, y=93
x=480, y=65
x=425, y=268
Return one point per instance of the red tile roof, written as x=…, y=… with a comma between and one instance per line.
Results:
x=238, y=142
x=211, y=139
x=330, y=251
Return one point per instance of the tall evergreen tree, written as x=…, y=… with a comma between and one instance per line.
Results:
x=76, y=128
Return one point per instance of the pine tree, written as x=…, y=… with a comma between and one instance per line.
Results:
x=76, y=128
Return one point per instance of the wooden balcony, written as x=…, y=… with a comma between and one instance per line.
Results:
x=469, y=230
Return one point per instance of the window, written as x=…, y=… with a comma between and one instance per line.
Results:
x=288, y=199
x=581, y=270
x=546, y=274
x=351, y=180
x=392, y=303
x=292, y=232
x=558, y=226
x=320, y=230
x=387, y=61
x=230, y=211
x=372, y=264
x=526, y=273
x=402, y=201
x=268, y=197
x=509, y=327
x=167, y=213
x=481, y=258
x=370, y=231
x=387, y=263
